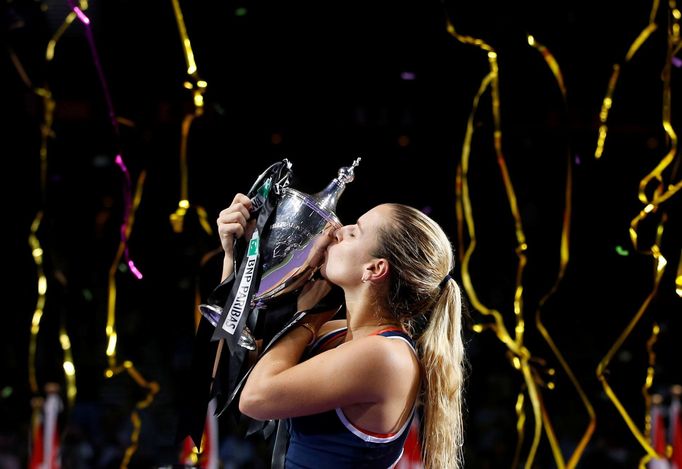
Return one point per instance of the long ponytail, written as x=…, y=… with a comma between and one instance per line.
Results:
x=442, y=356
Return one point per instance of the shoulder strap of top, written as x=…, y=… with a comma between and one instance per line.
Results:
x=396, y=333
x=329, y=340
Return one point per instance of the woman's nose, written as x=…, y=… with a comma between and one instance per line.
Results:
x=338, y=234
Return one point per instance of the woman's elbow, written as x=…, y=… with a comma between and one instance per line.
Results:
x=251, y=405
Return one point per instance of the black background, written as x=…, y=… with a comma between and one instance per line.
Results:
x=321, y=84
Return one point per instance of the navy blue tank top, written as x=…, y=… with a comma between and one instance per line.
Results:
x=331, y=441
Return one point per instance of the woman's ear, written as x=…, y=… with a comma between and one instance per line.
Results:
x=376, y=271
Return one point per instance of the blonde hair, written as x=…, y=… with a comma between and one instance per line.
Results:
x=420, y=256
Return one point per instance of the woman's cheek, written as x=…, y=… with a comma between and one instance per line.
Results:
x=332, y=269
x=327, y=265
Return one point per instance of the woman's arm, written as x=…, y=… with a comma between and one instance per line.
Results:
x=356, y=372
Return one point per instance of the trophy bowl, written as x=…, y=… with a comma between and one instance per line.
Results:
x=294, y=245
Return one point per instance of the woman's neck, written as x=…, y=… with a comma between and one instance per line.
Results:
x=364, y=316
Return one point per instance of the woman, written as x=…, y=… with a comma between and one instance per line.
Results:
x=349, y=393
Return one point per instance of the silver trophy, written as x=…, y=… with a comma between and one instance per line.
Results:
x=294, y=245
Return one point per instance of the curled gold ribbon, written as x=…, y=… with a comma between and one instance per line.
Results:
x=37, y=253
x=608, y=98
x=152, y=388
x=563, y=262
x=655, y=330
x=198, y=87
x=650, y=372
x=68, y=365
x=659, y=268
x=112, y=335
x=661, y=193
x=519, y=354
x=551, y=63
x=678, y=278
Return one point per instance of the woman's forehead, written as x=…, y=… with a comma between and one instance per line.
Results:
x=377, y=216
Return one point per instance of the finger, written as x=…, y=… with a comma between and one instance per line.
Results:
x=236, y=229
x=242, y=199
x=324, y=240
x=237, y=207
x=232, y=217
x=228, y=230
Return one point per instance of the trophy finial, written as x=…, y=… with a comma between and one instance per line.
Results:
x=347, y=174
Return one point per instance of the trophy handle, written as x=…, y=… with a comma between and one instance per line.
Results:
x=283, y=172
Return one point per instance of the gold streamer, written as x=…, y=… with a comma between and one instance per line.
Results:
x=551, y=62
x=52, y=43
x=68, y=365
x=37, y=253
x=520, y=355
x=34, y=242
x=198, y=88
x=563, y=262
x=650, y=371
x=608, y=99
x=656, y=399
x=520, y=425
x=678, y=279
x=659, y=195
x=112, y=336
x=659, y=268
x=152, y=389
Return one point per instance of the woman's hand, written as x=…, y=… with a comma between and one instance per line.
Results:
x=312, y=293
x=234, y=222
x=318, y=251
x=315, y=290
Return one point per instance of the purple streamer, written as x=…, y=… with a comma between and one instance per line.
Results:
x=127, y=191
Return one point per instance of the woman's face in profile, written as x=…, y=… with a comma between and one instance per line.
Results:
x=353, y=246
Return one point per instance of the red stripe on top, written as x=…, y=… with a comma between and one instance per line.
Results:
x=375, y=434
x=388, y=329
x=329, y=338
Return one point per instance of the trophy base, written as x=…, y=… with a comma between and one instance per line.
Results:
x=213, y=313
